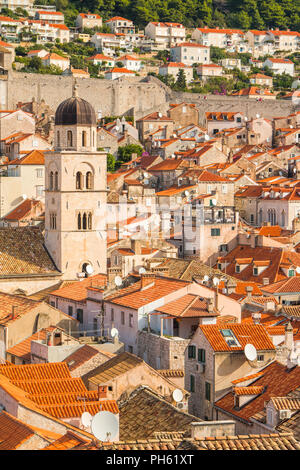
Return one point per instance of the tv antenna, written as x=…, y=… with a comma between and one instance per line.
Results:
x=177, y=395
x=250, y=352
x=118, y=281
x=104, y=426
x=86, y=419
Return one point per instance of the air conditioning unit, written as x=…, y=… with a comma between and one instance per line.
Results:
x=284, y=414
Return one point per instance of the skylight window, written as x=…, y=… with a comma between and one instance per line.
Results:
x=230, y=338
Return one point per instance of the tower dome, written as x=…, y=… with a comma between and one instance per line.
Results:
x=74, y=111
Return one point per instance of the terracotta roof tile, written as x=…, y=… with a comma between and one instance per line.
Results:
x=80, y=356
x=277, y=380
x=244, y=333
x=78, y=290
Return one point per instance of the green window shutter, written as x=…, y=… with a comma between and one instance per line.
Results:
x=201, y=355
x=192, y=383
x=192, y=352
x=207, y=391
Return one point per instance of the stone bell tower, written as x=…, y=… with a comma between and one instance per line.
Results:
x=75, y=192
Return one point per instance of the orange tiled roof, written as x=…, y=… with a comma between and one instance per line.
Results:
x=277, y=379
x=272, y=231
x=22, y=349
x=248, y=390
x=291, y=284
x=187, y=306
x=244, y=333
x=135, y=297
x=78, y=290
x=21, y=210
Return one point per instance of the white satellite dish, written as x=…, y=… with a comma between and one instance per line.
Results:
x=250, y=352
x=298, y=270
x=257, y=116
x=187, y=193
x=216, y=281
x=246, y=119
x=206, y=137
x=206, y=278
x=117, y=128
x=114, y=332
x=291, y=127
x=118, y=280
x=24, y=196
x=142, y=270
x=159, y=115
x=104, y=426
x=89, y=269
x=86, y=419
x=177, y=395
x=214, y=202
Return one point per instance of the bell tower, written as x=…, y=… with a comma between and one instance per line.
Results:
x=75, y=192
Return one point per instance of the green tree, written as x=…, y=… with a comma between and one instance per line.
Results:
x=111, y=163
x=180, y=83
x=125, y=153
x=35, y=63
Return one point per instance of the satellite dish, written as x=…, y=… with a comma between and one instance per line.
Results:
x=118, y=280
x=89, y=269
x=214, y=201
x=216, y=281
x=142, y=270
x=298, y=270
x=187, y=193
x=258, y=116
x=206, y=137
x=206, y=278
x=177, y=395
x=117, y=128
x=24, y=196
x=291, y=127
x=250, y=352
x=104, y=426
x=86, y=419
x=246, y=119
x=159, y=115
x=114, y=332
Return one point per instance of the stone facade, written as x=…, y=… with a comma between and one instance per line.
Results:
x=161, y=352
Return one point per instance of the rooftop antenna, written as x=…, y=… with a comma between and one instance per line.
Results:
x=104, y=426
x=177, y=395
x=250, y=352
x=118, y=281
x=86, y=419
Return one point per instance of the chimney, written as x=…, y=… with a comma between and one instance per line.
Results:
x=288, y=338
x=266, y=281
x=136, y=246
x=249, y=290
x=13, y=312
x=231, y=286
x=102, y=392
x=256, y=316
x=217, y=299
x=147, y=280
x=210, y=305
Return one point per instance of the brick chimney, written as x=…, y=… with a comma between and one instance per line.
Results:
x=102, y=392
x=147, y=280
x=231, y=286
x=13, y=312
x=249, y=290
x=288, y=337
x=210, y=305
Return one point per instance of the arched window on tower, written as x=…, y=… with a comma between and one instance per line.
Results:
x=93, y=138
x=83, y=138
x=84, y=221
x=51, y=181
x=69, y=139
x=58, y=138
x=56, y=180
x=79, y=180
x=79, y=221
x=89, y=221
x=89, y=180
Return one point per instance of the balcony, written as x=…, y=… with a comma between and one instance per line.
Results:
x=214, y=215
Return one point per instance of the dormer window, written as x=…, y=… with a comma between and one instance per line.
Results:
x=237, y=268
x=291, y=272
x=255, y=271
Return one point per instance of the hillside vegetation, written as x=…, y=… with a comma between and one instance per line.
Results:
x=245, y=14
